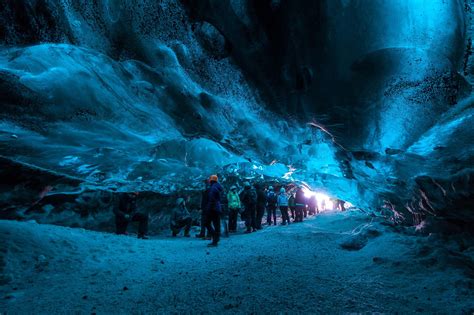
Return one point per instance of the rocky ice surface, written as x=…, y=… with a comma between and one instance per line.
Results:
x=152, y=96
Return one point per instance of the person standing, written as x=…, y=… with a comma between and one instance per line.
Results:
x=261, y=202
x=282, y=203
x=233, y=200
x=204, y=210
x=312, y=205
x=305, y=208
x=292, y=205
x=340, y=204
x=300, y=204
x=224, y=214
x=271, y=206
x=127, y=212
x=214, y=210
x=249, y=200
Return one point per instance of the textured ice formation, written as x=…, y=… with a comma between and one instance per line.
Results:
x=367, y=101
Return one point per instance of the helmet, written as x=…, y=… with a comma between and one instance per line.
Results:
x=233, y=187
x=270, y=188
x=246, y=184
x=282, y=190
x=213, y=178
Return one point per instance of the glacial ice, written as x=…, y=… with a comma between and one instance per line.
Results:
x=106, y=95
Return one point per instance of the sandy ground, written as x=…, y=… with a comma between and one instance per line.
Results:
x=301, y=268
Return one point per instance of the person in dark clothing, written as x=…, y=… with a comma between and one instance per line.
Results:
x=204, y=198
x=340, y=205
x=305, y=209
x=312, y=205
x=300, y=205
x=225, y=214
x=248, y=197
x=214, y=208
x=292, y=205
x=127, y=212
x=180, y=218
x=261, y=202
x=271, y=206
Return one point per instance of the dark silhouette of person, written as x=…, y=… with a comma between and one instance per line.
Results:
x=127, y=212
x=204, y=201
x=271, y=206
x=261, y=205
x=248, y=197
x=300, y=205
x=214, y=210
x=181, y=218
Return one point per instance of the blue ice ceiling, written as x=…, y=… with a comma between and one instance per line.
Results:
x=366, y=100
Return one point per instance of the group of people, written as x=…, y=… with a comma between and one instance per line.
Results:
x=221, y=210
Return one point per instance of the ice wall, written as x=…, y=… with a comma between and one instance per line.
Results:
x=367, y=100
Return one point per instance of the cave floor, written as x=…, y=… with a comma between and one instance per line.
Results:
x=299, y=268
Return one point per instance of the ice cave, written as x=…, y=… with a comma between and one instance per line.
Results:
x=236, y=156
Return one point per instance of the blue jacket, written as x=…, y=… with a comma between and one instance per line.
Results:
x=214, y=200
x=282, y=200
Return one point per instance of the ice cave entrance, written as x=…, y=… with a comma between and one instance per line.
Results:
x=324, y=201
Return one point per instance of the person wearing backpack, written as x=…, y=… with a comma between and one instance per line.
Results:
x=234, y=207
x=271, y=206
x=282, y=203
x=248, y=198
x=300, y=204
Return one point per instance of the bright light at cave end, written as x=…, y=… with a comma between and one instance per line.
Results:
x=323, y=200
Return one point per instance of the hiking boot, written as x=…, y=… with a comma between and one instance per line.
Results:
x=207, y=238
x=200, y=236
x=143, y=237
x=212, y=244
x=248, y=231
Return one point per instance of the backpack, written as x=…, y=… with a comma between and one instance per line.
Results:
x=252, y=196
x=272, y=198
x=233, y=200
